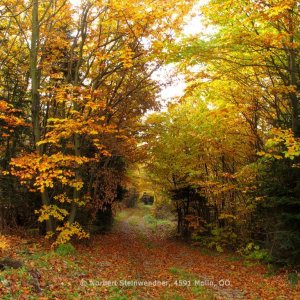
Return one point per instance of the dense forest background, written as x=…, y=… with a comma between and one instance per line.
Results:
x=75, y=85
x=228, y=153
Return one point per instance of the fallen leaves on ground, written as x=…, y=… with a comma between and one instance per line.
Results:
x=98, y=270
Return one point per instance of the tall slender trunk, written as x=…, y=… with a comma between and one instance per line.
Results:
x=75, y=192
x=35, y=76
x=76, y=82
x=293, y=70
x=35, y=95
x=293, y=95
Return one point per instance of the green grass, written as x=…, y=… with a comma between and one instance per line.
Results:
x=143, y=238
x=65, y=249
x=249, y=263
x=172, y=296
x=177, y=271
x=117, y=293
x=293, y=279
x=122, y=215
x=234, y=258
x=208, y=251
x=134, y=220
x=142, y=216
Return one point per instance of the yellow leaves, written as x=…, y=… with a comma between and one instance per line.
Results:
x=53, y=211
x=49, y=235
x=46, y=141
x=282, y=144
x=261, y=153
x=126, y=57
x=223, y=188
x=75, y=115
x=226, y=216
x=260, y=198
x=94, y=132
x=80, y=202
x=276, y=11
x=79, y=124
x=43, y=172
x=282, y=89
x=62, y=198
x=103, y=55
x=67, y=231
x=158, y=45
x=4, y=244
x=10, y=119
x=96, y=106
x=57, y=75
x=78, y=185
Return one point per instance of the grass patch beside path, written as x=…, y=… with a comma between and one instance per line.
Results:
x=142, y=218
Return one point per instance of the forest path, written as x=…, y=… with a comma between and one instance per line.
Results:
x=144, y=251
x=139, y=259
x=156, y=256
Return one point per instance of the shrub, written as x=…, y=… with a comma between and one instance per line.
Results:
x=217, y=239
x=253, y=251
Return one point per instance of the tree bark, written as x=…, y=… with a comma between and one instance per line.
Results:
x=35, y=95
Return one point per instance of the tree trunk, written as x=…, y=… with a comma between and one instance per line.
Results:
x=293, y=70
x=35, y=95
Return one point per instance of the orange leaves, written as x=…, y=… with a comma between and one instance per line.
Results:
x=10, y=118
x=43, y=172
x=123, y=255
x=84, y=116
x=127, y=57
x=40, y=173
x=194, y=222
x=65, y=128
x=4, y=243
x=278, y=9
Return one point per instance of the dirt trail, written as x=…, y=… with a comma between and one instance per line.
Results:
x=137, y=260
x=164, y=254
x=188, y=273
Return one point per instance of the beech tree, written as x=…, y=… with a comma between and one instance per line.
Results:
x=88, y=81
x=244, y=73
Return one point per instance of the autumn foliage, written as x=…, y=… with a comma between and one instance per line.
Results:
x=86, y=129
x=235, y=133
x=77, y=95
x=74, y=84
